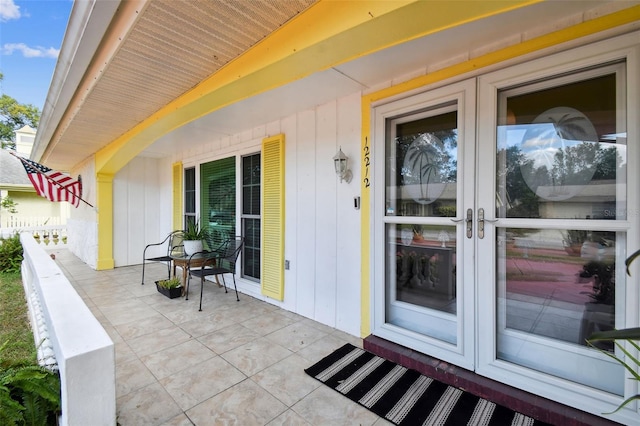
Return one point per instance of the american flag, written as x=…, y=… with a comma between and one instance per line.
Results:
x=51, y=184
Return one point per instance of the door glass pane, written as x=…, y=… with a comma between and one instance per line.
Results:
x=547, y=289
x=561, y=154
x=421, y=273
x=422, y=165
x=562, y=149
x=420, y=256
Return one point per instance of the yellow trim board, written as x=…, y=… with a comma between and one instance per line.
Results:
x=575, y=32
x=178, y=173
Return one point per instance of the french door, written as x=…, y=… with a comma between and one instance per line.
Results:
x=557, y=199
x=425, y=293
x=502, y=222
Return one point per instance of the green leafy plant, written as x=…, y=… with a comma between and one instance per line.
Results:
x=630, y=335
x=29, y=395
x=194, y=231
x=170, y=283
x=11, y=254
x=8, y=204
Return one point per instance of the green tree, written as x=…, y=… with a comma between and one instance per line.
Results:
x=8, y=204
x=608, y=163
x=13, y=116
x=521, y=199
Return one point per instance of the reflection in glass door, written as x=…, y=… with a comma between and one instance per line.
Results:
x=424, y=232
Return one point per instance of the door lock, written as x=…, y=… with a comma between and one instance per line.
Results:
x=481, y=221
x=469, y=222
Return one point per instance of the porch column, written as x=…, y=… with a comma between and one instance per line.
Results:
x=104, y=202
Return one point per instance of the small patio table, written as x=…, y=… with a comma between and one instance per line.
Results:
x=195, y=261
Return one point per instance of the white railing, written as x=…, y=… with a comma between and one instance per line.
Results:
x=49, y=236
x=83, y=351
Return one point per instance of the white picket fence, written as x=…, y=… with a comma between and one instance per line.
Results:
x=10, y=221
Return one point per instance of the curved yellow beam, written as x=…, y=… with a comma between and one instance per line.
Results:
x=328, y=34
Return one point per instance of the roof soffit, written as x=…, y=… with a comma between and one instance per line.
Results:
x=169, y=47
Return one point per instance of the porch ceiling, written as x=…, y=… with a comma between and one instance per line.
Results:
x=169, y=47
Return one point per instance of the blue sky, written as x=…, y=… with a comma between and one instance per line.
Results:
x=31, y=33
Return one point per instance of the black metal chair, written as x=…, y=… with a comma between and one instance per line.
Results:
x=223, y=261
x=174, y=246
x=206, y=257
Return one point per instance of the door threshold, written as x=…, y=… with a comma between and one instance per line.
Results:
x=516, y=399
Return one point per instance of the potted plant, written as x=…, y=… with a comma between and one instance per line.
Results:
x=193, y=236
x=171, y=288
x=573, y=240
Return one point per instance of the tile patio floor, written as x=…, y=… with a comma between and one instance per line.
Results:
x=233, y=363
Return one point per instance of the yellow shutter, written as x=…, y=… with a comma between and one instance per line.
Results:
x=272, y=215
x=177, y=195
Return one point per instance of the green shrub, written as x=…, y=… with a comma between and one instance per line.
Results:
x=29, y=395
x=10, y=254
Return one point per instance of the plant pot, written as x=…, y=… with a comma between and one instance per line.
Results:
x=171, y=293
x=192, y=246
x=574, y=249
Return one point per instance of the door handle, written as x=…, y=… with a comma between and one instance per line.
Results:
x=468, y=220
x=481, y=221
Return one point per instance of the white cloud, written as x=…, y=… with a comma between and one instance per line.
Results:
x=30, y=52
x=8, y=10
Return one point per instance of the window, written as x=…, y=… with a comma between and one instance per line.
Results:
x=189, y=195
x=251, y=216
x=218, y=199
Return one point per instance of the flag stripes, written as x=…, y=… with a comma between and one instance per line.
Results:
x=52, y=184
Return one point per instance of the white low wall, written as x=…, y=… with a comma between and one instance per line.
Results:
x=83, y=350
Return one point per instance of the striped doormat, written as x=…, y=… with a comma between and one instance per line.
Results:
x=406, y=397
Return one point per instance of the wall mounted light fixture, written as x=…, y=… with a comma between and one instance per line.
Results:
x=342, y=170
